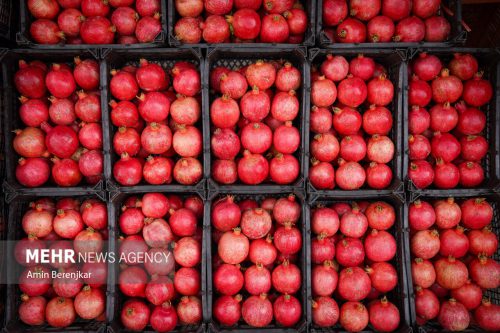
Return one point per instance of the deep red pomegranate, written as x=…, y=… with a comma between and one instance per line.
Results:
x=274, y=29
x=353, y=148
x=135, y=314
x=477, y=213
x=354, y=284
x=288, y=239
x=334, y=12
x=228, y=279
x=352, y=91
x=262, y=251
x=246, y=23
x=45, y=31
x=486, y=315
x=97, y=30
x=148, y=27
x=252, y=168
x=421, y=215
x=463, y=66
x=351, y=31
x=426, y=303
x=163, y=318
x=257, y=311
x=383, y=276
x=322, y=175
x=482, y=242
x=444, y=117
x=437, y=29
x=421, y=173
x=227, y=309
x=469, y=295
x=410, y=30
x=286, y=278
x=384, y=315
x=324, y=279
x=257, y=280
x=477, y=91
x=187, y=30
x=450, y=273
x=349, y=252
x=123, y=85
x=485, y=272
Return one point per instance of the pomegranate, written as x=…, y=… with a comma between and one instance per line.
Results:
x=227, y=309
x=257, y=280
x=30, y=81
x=380, y=29
x=410, y=30
x=346, y=121
x=446, y=88
x=322, y=249
x=257, y=311
x=252, y=168
x=485, y=272
x=463, y=66
x=324, y=279
x=163, y=318
x=325, y=221
x=486, y=315
x=380, y=91
x=444, y=117
x=437, y=29
x=32, y=310
x=60, y=312
x=353, y=148
x=187, y=30
x=426, y=304
x=323, y=92
x=262, y=251
x=274, y=29
x=482, y=242
x=148, y=27
x=128, y=170
x=453, y=316
x=246, y=23
x=425, y=244
x=383, y=276
x=419, y=147
x=380, y=246
x=97, y=30
x=322, y=175
x=135, y=314
x=445, y=146
x=380, y=149
x=477, y=91
x=353, y=223
x=421, y=215
x=33, y=112
x=351, y=31
x=471, y=121
x=286, y=278
x=354, y=284
x=384, y=315
x=188, y=171
x=288, y=239
x=334, y=12
x=377, y=120
x=448, y=213
x=349, y=252
x=418, y=120
x=123, y=85
x=421, y=173
x=350, y=175
x=450, y=273
x=471, y=174
x=233, y=247
x=45, y=31
x=469, y=295
x=352, y=91
x=353, y=316
x=477, y=213
x=286, y=210
x=228, y=279
x=159, y=290
x=378, y=176
x=446, y=175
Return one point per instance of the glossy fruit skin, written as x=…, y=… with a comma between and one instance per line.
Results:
x=477, y=91
x=421, y=215
x=469, y=295
x=352, y=91
x=354, y=284
x=383, y=276
x=228, y=279
x=444, y=118
x=349, y=252
x=410, y=30
x=334, y=12
x=274, y=29
x=45, y=31
x=485, y=272
x=287, y=310
x=476, y=213
x=482, y=242
x=351, y=31
x=246, y=23
x=257, y=280
x=253, y=169
x=453, y=316
x=227, y=310
x=135, y=314
x=322, y=175
x=384, y=315
x=163, y=318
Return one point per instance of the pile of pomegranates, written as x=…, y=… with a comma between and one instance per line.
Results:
x=240, y=21
x=352, y=252
x=452, y=244
x=157, y=116
x=164, y=290
x=254, y=123
x=384, y=21
x=256, y=261
x=60, y=105
x=447, y=122
x=351, y=124
x=94, y=21
x=65, y=224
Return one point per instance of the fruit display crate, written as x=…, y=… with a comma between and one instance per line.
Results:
x=235, y=59
x=395, y=63
x=15, y=211
x=115, y=59
x=116, y=299
x=211, y=248
x=454, y=15
x=489, y=62
x=492, y=294
x=11, y=119
x=309, y=35
x=8, y=19
x=399, y=296
x=23, y=37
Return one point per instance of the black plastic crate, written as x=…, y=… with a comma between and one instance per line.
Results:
x=398, y=296
x=12, y=120
x=236, y=58
x=15, y=212
x=493, y=294
x=302, y=296
x=8, y=20
x=309, y=35
x=167, y=58
x=395, y=64
x=116, y=299
x=489, y=61
x=23, y=37
x=457, y=34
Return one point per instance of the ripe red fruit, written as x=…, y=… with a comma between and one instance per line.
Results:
x=321, y=120
x=252, y=168
x=127, y=170
x=384, y=315
x=226, y=215
x=188, y=171
x=187, y=281
x=487, y=317
x=60, y=312
x=383, y=276
x=419, y=147
x=287, y=310
x=163, y=318
x=362, y=67
x=448, y=213
x=135, y=315
x=485, y=272
x=286, y=278
x=380, y=149
x=354, y=284
x=454, y=243
x=246, y=23
x=322, y=175
x=30, y=80
x=187, y=30
x=346, y=121
x=419, y=92
x=257, y=280
x=463, y=66
x=45, y=31
x=482, y=242
x=426, y=303
x=453, y=316
x=90, y=302
x=437, y=29
x=445, y=146
x=325, y=311
x=256, y=137
x=380, y=246
x=351, y=31
x=396, y=10
x=349, y=252
x=227, y=309
x=148, y=27
x=471, y=174
x=97, y=30
x=446, y=88
x=377, y=120
x=380, y=215
x=353, y=148
x=425, y=244
x=444, y=117
x=410, y=30
x=350, y=175
x=469, y=295
x=470, y=120
x=257, y=311
x=228, y=279
x=477, y=91
x=123, y=85
x=325, y=147
x=286, y=210
x=274, y=29
x=322, y=249
x=421, y=173
x=90, y=135
x=324, y=279
x=477, y=213
x=325, y=221
x=233, y=247
x=352, y=91
x=255, y=223
x=323, y=92
x=262, y=251
x=427, y=66
x=378, y=176
x=353, y=316
x=450, y=273
x=32, y=310
x=334, y=12
x=189, y=310
x=288, y=239
x=285, y=106
x=419, y=120
x=380, y=91
x=446, y=175
x=421, y=215
x=353, y=223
